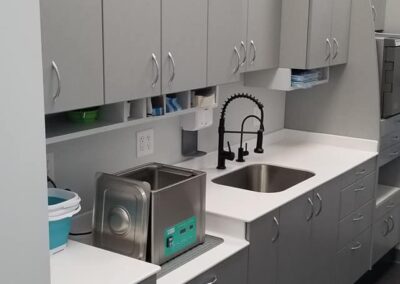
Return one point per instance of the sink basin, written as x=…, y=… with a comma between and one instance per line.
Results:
x=264, y=178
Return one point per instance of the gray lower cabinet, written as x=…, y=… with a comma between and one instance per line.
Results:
x=72, y=54
x=150, y=280
x=184, y=45
x=231, y=271
x=324, y=232
x=385, y=234
x=132, y=49
x=263, y=34
x=295, y=260
x=263, y=235
x=226, y=41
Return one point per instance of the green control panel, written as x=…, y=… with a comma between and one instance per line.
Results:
x=180, y=236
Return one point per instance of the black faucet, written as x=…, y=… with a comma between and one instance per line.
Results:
x=229, y=155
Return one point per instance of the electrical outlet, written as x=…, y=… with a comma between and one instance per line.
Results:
x=145, y=143
x=50, y=165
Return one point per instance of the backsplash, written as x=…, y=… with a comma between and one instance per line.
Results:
x=76, y=162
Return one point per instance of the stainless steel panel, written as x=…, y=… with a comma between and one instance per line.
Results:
x=391, y=79
x=264, y=178
x=176, y=195
x=121, y=215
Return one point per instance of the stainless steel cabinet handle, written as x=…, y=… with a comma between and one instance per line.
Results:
x=312, y=209
x=253, y=46
x=236, y=69
x=391, y=227
x=329, y=46
x=320, y=205
x=243, y=46
x=394, y=153
x=276, y=237
x=373, y=12
x=387, y=228
x=213, y=281
x=58, y=91
x=157, y=76
x=171, y=59
x=335, y=41
x=396, y=138
x=359, y=218
x=362, y=188
x=391, y=205
x=357, y=246
x=361, y=172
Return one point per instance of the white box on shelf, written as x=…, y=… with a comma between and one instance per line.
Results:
x=200, y=119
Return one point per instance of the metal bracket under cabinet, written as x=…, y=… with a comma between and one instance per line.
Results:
x=209, y=243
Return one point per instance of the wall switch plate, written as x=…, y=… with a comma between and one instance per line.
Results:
x=145, y=143
x=50, y=165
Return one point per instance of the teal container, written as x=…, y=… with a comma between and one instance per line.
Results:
x=58, y=233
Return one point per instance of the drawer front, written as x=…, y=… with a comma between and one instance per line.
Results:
x=387, y=205
x=390, y=125
x=231, y=271
x=389, y=140
x=353, y=260
x=389, y=154
x=357, y=173
x=354, y=224
x=357, y=195
x=386, y=234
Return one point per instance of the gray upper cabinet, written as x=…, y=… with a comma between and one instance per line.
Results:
x=72, y=54
x=379, y=13
x=319, y=34
x=294, y=260
x=226, y=41
x=184, y=45
x=340, y=31
x=314, y=33
x=132, y=49
x=263, y=34
x=263, y=235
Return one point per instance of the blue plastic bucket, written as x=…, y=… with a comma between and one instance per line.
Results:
x=60, y=217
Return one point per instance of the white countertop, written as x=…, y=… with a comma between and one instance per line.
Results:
x=328, y=156
x=84, y=264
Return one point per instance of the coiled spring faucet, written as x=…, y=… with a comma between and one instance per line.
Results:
x=229, y=155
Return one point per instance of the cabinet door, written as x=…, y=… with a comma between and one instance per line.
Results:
x=184, y=45
x=325, y=232
x=319, y=33
x=340, y=31
x=294, y=260
x=263, y=34
x=379, y=13
x=132, y=44
x=231, y=271
x=225, y=34
x=72, y=54
x=263, y=235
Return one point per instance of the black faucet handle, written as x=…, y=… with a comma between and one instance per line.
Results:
x=229, y=155
x=246, y=152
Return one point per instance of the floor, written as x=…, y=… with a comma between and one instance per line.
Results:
x=385, y=272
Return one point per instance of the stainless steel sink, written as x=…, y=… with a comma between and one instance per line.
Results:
x=264, y=178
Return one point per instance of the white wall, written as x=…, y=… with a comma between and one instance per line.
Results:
x=24, y=255
x=392, y=20
x=77, y=161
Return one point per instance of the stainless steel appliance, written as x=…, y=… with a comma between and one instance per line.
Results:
x=177, y=209
x=388, y=46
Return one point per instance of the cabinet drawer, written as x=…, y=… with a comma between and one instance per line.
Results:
x=354, y=224
x=388, y=198
x=357, y=172
x=389, y=154
x=353, y=260
x=389, y=140
x=389, y=125
x=386, y=234
x=231, y=271
x=356, y=195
